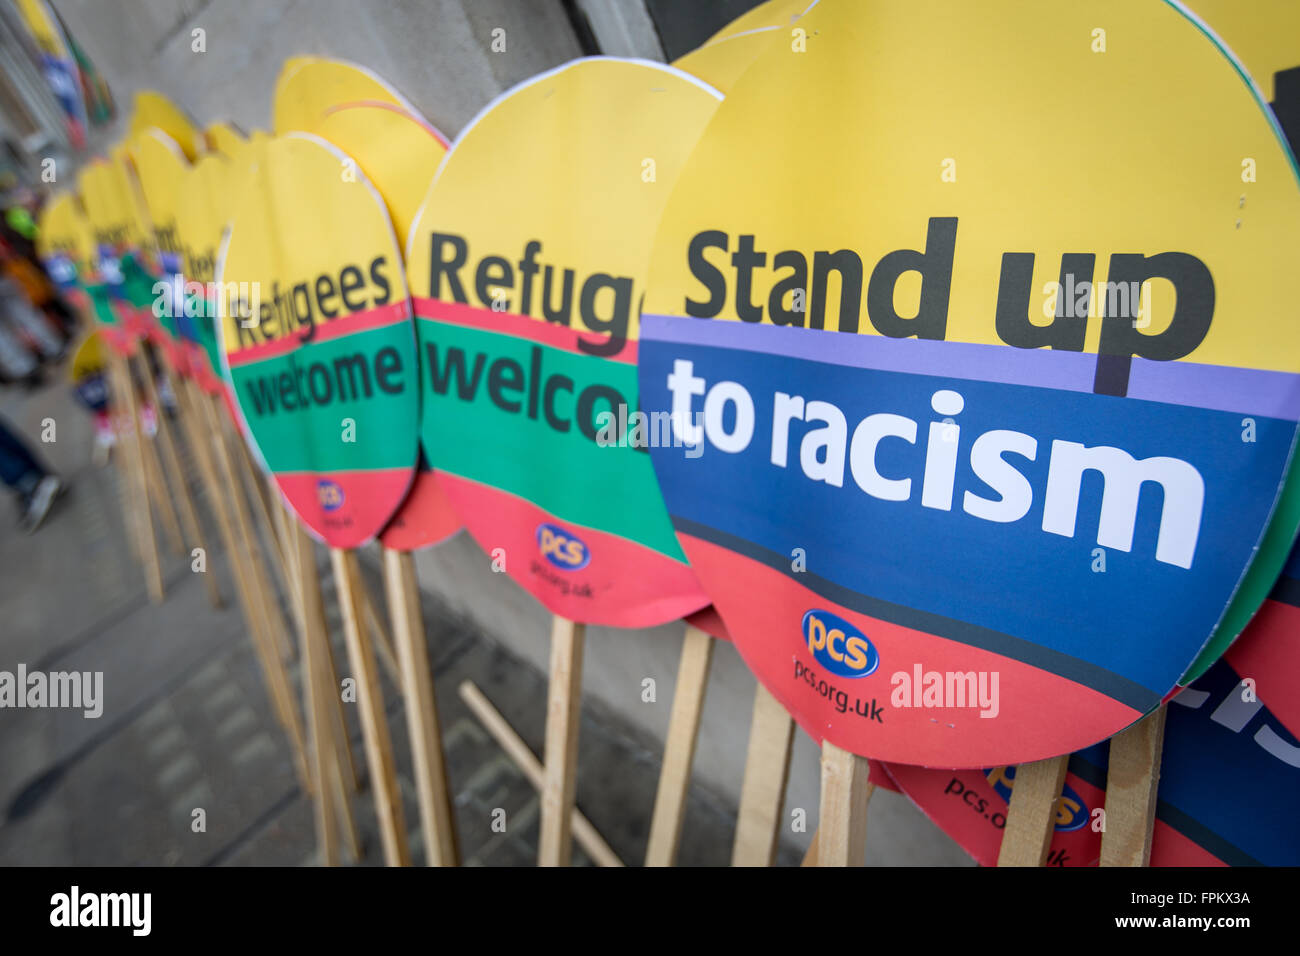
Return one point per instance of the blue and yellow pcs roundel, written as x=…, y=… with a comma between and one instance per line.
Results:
x=1013, y=407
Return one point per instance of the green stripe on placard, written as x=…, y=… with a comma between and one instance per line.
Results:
x=609, y=488
x=296, y=403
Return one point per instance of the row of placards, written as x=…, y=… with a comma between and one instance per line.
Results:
x=979, y=443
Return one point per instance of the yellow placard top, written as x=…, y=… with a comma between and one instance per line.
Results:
x=721, y=62
x=309, y=86
x=152, y=109
x=310, y=245
x=1264, y=34
x=772, y=13
x=224, y=138
x=860, y=176
x=64, y=230
x=398, y=151
x=577, y=163
x=111, y=205
x=202, y=212
x=161, y=167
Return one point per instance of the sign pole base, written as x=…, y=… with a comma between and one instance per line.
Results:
x=842, y=830
x=1132, y=780
x=564, y=700
x=1031, y=816
x=762, y=793
x=679, y=748
x=421, y=710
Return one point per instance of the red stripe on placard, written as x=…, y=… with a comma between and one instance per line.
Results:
x=764, y=610
x=350, y=324
x=521, y=326
x=346, y=509
x=1269, y=653
x=425, y=518
x=615, y=582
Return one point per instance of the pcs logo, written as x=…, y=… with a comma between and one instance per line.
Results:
x=839, y=646
x=562, y=548
x=1071, y=811
x=330, y=494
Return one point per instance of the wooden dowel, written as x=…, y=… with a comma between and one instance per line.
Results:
x=421, y=710
x=564, y=699
x=266, y=619
x=383, y=646
x=246, y=487
x=256, y=490
x=134, y=444
x=347, y=820
x=339, y=724
x=810, y=855
x=762, y=792
x=1132, y=780
x=153, y=471
x=1031, y=817
x=679, y=748
x=337, y=721
x=122, y=459
x=311, y=635
x=509, y=741
x=374, y=726
x=189, y=516
x=842, y=826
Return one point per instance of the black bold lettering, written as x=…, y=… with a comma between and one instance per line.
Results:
x=585, y=412
x=796, y=281
x=492, y=271
x=1015, y=293
x=505, y=374
x=325, y=292
x=616, y=324
x=849, y=265
x=388, y=363
x=935, y=266
x=351, y=364
x=560, y=315
x=709, y=275
x=440, y=377
x=745, y=259
x=556, y=383
x=379, y=279
x=440, y=267
x=350, y=280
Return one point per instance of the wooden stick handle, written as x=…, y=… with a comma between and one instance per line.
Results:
x=1132, y=780
x=679, y=748
x=564, y=700
x=153, y=472
x=189, y=515
x=141, y=517
x=509, y=741
x=842, y=830
x=1031, y=817
x=311, y=637
x=421, y=709
x=374, y=725
x=762, y=792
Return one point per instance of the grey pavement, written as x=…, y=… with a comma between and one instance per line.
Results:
x=187, y=724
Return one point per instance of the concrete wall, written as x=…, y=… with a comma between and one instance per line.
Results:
x=438, y=53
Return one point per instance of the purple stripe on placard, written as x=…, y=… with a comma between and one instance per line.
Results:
x=1251, y=391
x=1222, y=387
x=1071, y=371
